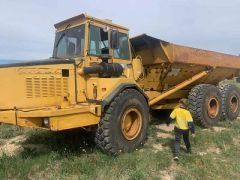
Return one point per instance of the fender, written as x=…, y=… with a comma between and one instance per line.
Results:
x=119, y=89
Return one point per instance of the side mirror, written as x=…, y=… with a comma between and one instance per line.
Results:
x=114, y=40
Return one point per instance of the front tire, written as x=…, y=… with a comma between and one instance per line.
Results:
x=123, y=127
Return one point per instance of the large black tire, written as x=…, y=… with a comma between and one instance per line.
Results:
x=123, y=127
x=230, y=101
x=205, y=104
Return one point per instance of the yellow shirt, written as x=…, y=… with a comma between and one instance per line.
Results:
x=182, y=117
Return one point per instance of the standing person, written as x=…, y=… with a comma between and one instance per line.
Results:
x=183, y=123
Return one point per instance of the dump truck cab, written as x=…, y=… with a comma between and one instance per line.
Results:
x=91, y=41
x=83, y=36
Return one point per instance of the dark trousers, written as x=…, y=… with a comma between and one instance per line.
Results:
x=178, y=136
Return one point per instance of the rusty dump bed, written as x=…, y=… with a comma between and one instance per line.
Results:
x=154, y=51
x=166, y=64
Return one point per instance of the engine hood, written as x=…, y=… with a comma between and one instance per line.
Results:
x=36, y=84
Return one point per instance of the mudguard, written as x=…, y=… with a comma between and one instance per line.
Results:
x=119, y=89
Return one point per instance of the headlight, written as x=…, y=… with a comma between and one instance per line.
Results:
x=45, y=122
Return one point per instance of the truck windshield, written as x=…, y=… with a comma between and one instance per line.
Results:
x=69, y=43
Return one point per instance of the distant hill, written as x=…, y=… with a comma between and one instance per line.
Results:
x=8, y=61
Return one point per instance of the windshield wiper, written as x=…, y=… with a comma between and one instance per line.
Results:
x=63, y=34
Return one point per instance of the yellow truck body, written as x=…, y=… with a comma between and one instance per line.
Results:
x=100, y=78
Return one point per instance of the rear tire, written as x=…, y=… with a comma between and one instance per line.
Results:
x=230, y=101
x=123, y=127
x=205, y=104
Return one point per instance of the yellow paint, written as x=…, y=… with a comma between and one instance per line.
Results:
x=60, y=119
x=105, y=86
x=166, y=106
x=8, y=117
x=178, y=87
x=73, y=121
x=30, y=122
x=35, y=86
x=138, y=71
x=177, y=95
x=83, y=18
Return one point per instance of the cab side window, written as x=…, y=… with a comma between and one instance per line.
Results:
x=123, y=51
x=98, y=41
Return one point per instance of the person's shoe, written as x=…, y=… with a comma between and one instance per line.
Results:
x=176, y=158
x=189, y=151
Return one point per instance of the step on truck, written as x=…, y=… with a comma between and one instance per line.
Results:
x=101, y=80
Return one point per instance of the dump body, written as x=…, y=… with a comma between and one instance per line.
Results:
x=155, y=51
x=167, y=64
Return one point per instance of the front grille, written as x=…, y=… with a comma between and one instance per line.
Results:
x=46, y=87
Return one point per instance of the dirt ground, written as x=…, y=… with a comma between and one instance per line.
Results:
x=14, y=146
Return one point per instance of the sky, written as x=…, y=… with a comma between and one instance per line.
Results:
x=27, y=31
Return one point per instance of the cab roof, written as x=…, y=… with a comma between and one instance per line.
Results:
x=85, y=17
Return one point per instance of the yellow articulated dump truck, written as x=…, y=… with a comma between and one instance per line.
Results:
x=99, y=79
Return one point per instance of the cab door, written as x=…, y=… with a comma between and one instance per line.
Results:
x=122, y=53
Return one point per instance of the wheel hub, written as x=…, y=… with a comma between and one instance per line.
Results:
x=213, y=107
x=131, y=123
x=233, y=103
